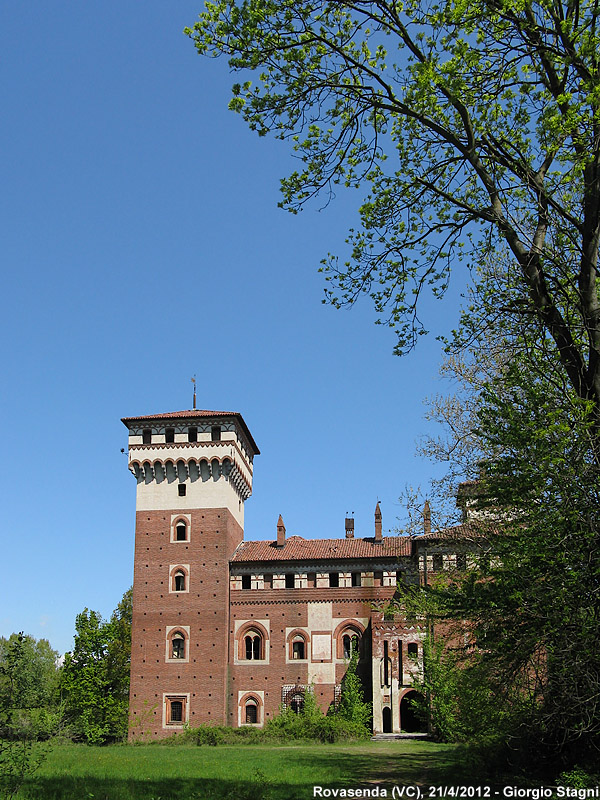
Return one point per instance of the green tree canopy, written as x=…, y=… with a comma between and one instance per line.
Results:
x=35, y=683
x=95, y=678
x=470, y=127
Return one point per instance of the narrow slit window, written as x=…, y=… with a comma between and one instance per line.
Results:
x=400, y=664
x=386, y=672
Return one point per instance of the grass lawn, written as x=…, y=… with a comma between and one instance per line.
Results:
x=235, y=772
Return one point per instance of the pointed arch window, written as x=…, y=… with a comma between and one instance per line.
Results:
x=253, y=646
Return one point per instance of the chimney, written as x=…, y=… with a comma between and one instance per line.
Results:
x=377, y=523
x=426, y=518
x=280, y=532
x=349, y=528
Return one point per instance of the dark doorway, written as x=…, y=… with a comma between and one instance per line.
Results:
x=410, y=719
x=387, y=720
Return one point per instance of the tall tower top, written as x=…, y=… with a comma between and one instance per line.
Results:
x=202, y=458
x=150, y=421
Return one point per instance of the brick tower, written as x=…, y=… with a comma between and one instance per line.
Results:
x=194, y=473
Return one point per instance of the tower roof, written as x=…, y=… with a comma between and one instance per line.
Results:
x=196, y=412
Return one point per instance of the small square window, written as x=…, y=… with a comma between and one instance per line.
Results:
x=215, y=433
x=192, y=434
x=181, y=489
x=169, y=435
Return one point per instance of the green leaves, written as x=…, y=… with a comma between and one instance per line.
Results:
x=95, y=678
x=466, y=125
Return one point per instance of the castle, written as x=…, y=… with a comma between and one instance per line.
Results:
x=227, y=631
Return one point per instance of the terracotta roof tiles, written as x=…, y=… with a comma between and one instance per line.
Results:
x=297, y=548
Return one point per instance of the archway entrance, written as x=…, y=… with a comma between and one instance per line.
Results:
x=387, y=720
x=410, y=719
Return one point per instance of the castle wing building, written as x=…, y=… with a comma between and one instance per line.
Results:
x=227, y=631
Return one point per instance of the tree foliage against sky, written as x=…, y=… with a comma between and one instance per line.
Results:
x=95, y=678
x=471, y=127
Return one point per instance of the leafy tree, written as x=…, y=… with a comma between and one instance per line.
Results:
x=527, y=681
x=536, y=612
x=352, y=705
x=473, y=128
x=95, y=678
x=20, y=755
x=34, y=686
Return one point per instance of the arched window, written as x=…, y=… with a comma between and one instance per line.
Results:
x=251, y=712
x=350, y=642
x=181, y=531
x=298, y=647
x=253, y=646
x=178, y=645
x=179, y=581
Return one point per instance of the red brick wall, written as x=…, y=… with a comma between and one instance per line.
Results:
x=204, y=608
x=288, y=608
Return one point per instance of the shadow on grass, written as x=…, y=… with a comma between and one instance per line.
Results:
x=391, y=768
x=88, y=788
x=359, y=769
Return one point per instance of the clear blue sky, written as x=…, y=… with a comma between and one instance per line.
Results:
x=141, y=244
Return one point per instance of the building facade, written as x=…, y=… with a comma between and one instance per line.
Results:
x=227, y=631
